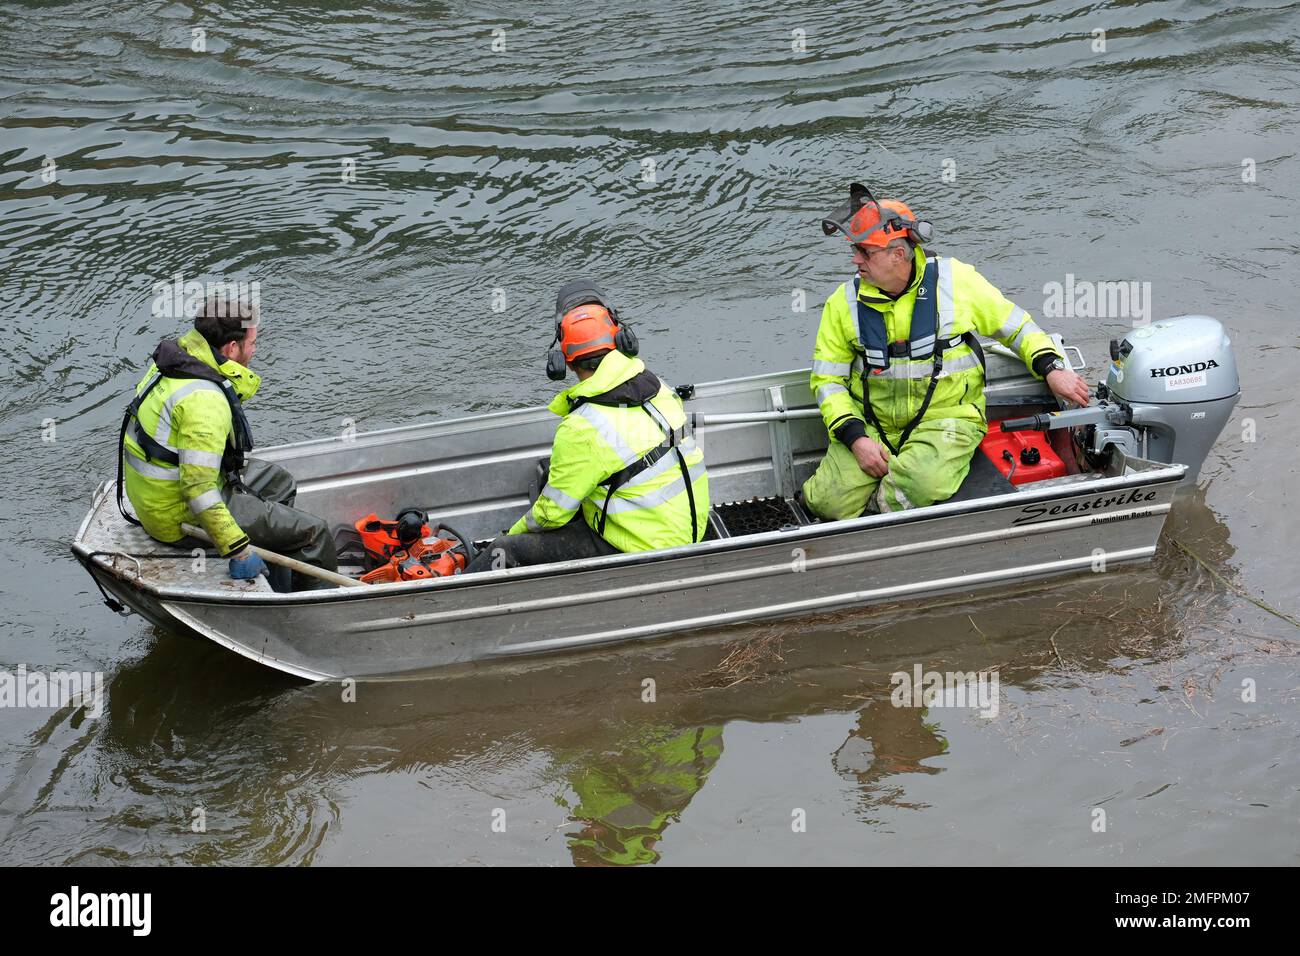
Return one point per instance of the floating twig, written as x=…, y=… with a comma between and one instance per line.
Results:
x=1153, y=732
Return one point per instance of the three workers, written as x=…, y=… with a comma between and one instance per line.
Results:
x=898, y=373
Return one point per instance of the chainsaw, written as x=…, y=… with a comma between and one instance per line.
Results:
x=410, y=549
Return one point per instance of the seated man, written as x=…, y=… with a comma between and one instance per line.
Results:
x=905, y=327
x=624, y=475
x=184, y=442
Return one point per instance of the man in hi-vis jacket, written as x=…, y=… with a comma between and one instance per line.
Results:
x=905, y=325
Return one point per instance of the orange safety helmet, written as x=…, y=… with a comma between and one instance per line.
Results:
x=588, y=328
x=866, y=221
x=586, y=321
x=869, y=227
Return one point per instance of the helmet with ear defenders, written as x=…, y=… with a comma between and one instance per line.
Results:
x=594, y=324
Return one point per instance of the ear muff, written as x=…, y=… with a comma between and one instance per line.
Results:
x=556, y=367
x=625, y=341
x=410, y=526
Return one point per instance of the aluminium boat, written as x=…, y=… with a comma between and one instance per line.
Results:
x=1168, y=392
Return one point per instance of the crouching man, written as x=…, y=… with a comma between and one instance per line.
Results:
x=624, y=476
x=185, y=441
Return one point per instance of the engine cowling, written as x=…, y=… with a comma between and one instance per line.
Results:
x=1179, y=375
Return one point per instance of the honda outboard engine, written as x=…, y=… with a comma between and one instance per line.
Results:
x=1179, y=378
x=1169, y=392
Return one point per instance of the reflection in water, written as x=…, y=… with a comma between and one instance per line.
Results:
x=272, y=762
x=627, y=798
x=889, y=740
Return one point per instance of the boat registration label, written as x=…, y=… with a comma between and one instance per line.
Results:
x=1176, y=382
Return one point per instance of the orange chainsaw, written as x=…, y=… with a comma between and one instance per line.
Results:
x=409, y=549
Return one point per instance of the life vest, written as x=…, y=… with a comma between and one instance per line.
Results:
x=929, y=337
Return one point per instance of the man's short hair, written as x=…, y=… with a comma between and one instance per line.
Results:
x=589, y=363
x=225, y=318
x=902, y=242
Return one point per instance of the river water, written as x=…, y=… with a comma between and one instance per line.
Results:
x=410, y=182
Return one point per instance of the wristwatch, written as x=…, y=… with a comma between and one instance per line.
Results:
x=1056, y=365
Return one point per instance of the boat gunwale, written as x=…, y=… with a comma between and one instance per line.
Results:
x=1158, y=474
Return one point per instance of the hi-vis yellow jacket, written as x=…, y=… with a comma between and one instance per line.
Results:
x=191, y=418
x=606, y=429
x=967, y=302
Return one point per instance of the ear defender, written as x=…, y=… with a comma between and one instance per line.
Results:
x=625, y=341
x=556, y=367
x=610, y=331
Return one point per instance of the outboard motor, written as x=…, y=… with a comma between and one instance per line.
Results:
x=1170, y=390
x=1179, y=378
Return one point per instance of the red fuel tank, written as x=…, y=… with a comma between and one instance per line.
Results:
x=1007, y=448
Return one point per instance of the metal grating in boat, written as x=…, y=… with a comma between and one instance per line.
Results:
x=756, y=516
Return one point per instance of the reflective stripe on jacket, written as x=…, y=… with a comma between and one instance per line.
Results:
x=595, y=441
x=967, y=303
x=190, y=417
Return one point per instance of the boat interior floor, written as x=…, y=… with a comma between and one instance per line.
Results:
x=735, y=518
x=983, y=480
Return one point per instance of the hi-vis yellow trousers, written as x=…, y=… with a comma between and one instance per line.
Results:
x=928, y=469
